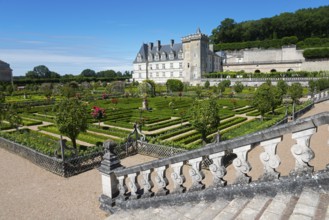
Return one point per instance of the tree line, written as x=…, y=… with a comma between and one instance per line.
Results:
x=304, y=23
x=42, y=74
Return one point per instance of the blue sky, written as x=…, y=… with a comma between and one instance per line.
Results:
x=73, y=35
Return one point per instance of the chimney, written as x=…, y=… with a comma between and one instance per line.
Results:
x=158, y=45
x=172, y=43
x=150, y=46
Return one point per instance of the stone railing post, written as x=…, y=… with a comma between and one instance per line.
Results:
x=161, y=181
x=134, y=186
x=109, y=181
x=196, y=174
x=302, y=151
x=147, y=184
x=270, y=159
x=178, y=178
x=217, y=169
x=241, y=164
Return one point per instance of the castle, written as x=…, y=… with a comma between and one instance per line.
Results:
x=5, y=72
x=186, y=61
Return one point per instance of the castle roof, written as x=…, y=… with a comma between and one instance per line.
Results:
x=147, y=49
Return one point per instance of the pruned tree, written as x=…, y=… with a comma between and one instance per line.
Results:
x=13, y=117
x=295, y=91
x=262, y=99
x=204, y=117
x=238, y=87
x=71, y=118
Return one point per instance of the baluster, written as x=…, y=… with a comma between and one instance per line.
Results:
x=241, y=164
x=178, y=178
x=328, y=139
x=134, y=186
x=328, y=144
x=122, y=188
x=302, y=151
x=161, y=181
x=218, y=169
x=147, y=184
x=270, y=159
x=196, y=174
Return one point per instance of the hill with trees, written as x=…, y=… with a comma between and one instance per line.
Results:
x=305, y=27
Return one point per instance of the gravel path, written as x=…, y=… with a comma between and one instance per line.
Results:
x=30, y=192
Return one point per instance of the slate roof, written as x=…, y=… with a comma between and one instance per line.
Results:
x=144, y=51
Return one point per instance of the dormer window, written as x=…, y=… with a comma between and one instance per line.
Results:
x=180, y=54
x=157, y=57
x=150, y=58
x=163, y=56
x=139, y=57
x=171, y=55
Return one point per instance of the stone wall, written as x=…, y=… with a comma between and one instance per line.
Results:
x=318, y=65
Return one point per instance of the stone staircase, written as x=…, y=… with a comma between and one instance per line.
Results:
x=310, y=203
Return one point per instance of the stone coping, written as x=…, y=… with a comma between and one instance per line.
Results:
x=267, y=134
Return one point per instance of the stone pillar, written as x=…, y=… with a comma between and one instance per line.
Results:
x=217, y=168
x=241, y=164
x=270, y=159
x=109, y=181
x=177, y=178
x=161, y=181
x=302, y=151
x=196, y=174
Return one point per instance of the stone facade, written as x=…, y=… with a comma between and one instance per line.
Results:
x=5, y=72
x=186, y=61
x=288, y=58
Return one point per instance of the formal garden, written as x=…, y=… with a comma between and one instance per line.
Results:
x=174, y=115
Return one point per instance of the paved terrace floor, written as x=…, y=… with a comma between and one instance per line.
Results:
x=30, y=192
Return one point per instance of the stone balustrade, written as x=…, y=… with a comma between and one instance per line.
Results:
x=322, y=96
x=129, y=188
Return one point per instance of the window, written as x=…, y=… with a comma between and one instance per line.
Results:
x=181, y=74
x=150, y=57
x=157, y=66
x=157, y=57
x=180, y=54
x=139, y=58
x=163, y=56
x=163, y=74
x=171, y=55
x=180, y=65
x=163, y=66
x=150, y=74
x=139, y=75
x=171, y=65
x=157, y=74
x=171, y=74
x=139, y=67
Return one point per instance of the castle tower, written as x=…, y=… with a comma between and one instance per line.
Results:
x=195, y=49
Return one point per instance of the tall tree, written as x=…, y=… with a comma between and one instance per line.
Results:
x=88, y=73
x=204, y=117
x=71, y=118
